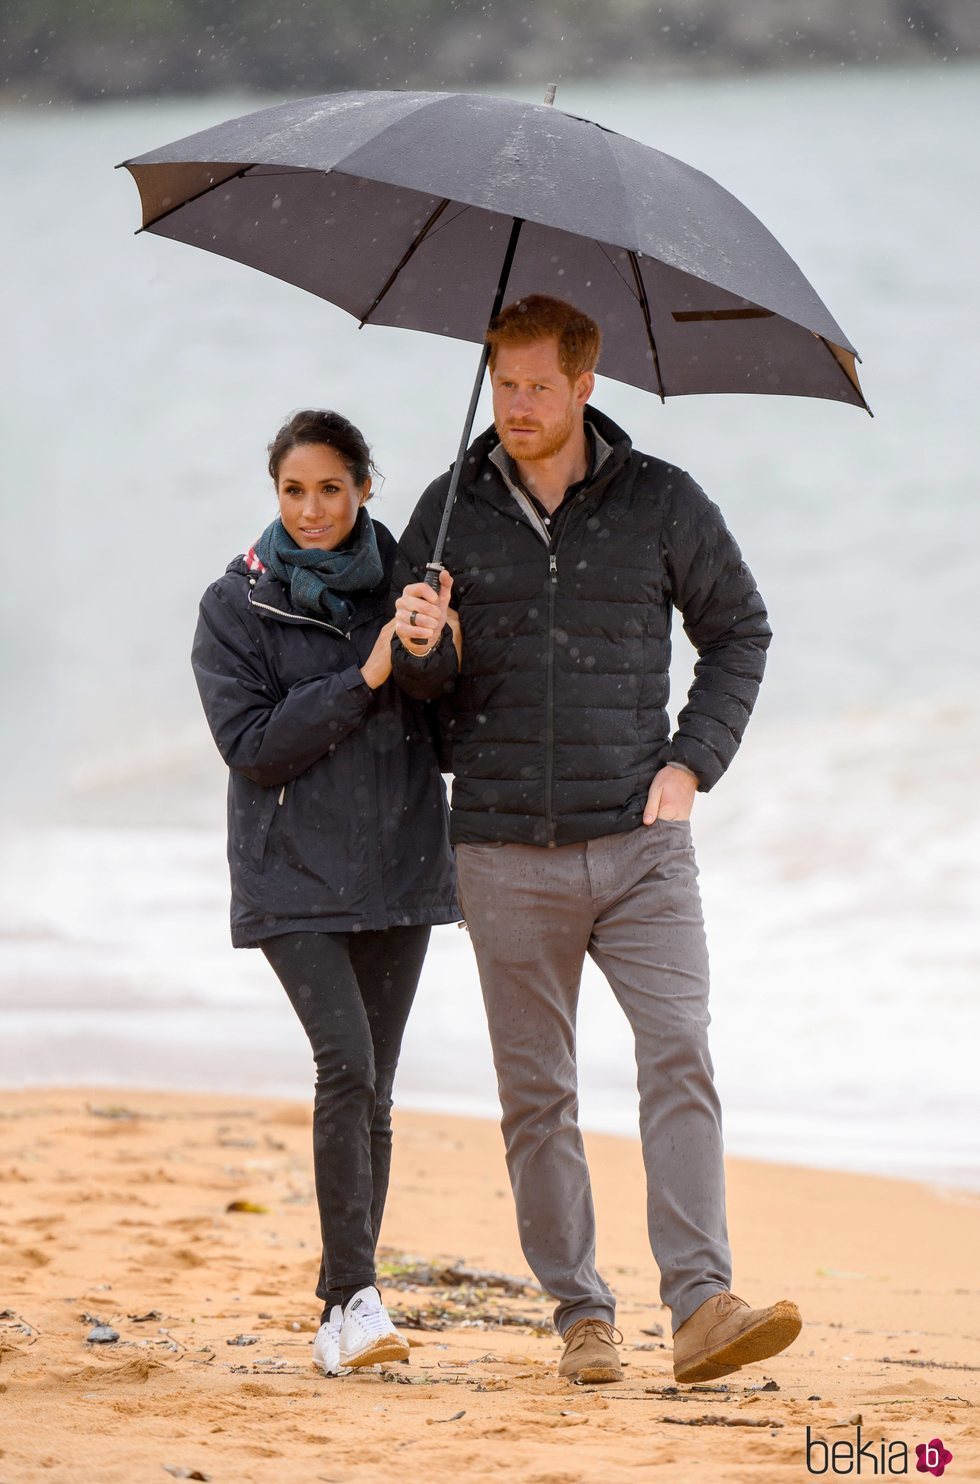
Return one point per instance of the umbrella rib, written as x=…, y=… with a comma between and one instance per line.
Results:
x=841, y=357
x=641, y=294
x=413, y=246
x=237, y=175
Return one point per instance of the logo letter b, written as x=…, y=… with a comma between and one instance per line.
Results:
x=812, y=1444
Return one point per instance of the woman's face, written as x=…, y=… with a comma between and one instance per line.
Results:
x=318, y=499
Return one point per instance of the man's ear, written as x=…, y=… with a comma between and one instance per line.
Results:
x=584, y=387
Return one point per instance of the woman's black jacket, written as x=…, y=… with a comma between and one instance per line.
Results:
x=337, y=815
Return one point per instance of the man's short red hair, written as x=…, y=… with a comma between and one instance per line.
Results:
x=539, y=317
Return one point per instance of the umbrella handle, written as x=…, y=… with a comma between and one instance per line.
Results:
x=431, y=579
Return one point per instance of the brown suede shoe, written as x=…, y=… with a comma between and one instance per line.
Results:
x=724, y=1334
x=590, y=1353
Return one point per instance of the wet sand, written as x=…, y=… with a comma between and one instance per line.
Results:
x=115, y=1209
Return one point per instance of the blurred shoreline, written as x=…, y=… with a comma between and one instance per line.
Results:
x=57, y=53
x=840, y=901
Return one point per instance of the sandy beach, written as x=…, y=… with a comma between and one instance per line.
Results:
x=119, y=1210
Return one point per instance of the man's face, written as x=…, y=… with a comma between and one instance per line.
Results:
x=535, y=407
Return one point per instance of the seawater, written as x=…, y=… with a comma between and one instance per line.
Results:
x=841, y=854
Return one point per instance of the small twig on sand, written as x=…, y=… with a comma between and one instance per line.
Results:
x=20, y=1325
x=707, y=1421
x=936, y=1365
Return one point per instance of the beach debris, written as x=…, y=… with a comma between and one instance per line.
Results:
x=709, y=1420
x=180, y=1471
x=243, y=1340
x=441, y=1317
x=11, y=1320
x=650, y=1345
x=769, y=1385
x=689, y=1393
x=426, y=1319
x=405, y=1274
x=228, y=1139
x=116, y=1111
x=938, y=1365
x=144, y=1318
x=839, y=1273
x=434, y=1421
x=653, y=1329
x=814, y=1398
x=248, y=1208
x=102, y=1334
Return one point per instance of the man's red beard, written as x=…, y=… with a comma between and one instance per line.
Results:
x=544, y=445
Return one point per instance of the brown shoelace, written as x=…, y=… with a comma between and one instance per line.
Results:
x=605, y=1331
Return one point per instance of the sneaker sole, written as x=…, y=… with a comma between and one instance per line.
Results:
x=777, y=1329
x=389, y=1347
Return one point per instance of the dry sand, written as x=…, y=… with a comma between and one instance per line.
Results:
x=114, y=1208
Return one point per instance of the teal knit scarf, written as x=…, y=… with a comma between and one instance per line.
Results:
x=318, y=580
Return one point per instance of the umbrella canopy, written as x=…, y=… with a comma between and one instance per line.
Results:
x=399, y=207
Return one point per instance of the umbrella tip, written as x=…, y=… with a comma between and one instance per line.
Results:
x=550, y=92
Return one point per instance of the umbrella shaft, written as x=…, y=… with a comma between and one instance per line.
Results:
x=434, y=567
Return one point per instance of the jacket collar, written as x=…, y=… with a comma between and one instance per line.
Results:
x=487, y=474
x=599, y=452
x=266, y=590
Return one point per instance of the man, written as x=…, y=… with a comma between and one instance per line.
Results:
x=570, y=810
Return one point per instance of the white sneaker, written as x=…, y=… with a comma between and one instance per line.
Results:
x=368, y=1335
x=326, y=1346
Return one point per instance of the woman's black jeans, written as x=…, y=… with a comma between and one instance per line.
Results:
x=352, y=993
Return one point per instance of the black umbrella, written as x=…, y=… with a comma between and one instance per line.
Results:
x=421, y=209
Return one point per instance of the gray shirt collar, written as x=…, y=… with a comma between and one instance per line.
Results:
x=503, y=462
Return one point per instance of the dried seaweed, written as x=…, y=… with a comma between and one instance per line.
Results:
x=936, y=1365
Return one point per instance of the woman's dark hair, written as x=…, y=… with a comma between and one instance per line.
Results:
x=313, y=426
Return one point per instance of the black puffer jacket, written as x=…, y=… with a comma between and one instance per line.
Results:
x=337, y=816
x=558, y=718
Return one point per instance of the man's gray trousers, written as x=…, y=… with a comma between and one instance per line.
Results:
x=631, y=901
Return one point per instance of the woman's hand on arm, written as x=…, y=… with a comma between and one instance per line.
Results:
x=377, y=667
x=452, y=619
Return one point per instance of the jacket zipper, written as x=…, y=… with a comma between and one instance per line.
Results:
x=549, y=753
x=298, y=618
x=549, y=736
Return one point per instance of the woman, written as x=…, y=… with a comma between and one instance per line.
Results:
x=337, y=827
